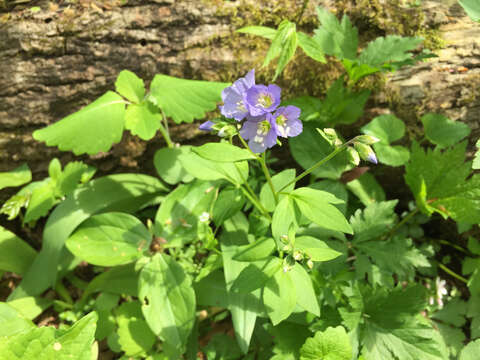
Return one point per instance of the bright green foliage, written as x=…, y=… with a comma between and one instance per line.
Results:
x=331, y=344
x=168, y=300
x=437, y=179
x=288, y=338
x=442, y=131
x=258, y=250
x=263, y=31
x=339, y=39
x=30, y=307
x=222, y=152
x=279, y=296
x=130, y=86
x=305, y=293
x=311, y=47
x=168, y=166
x=367, y=189
x=104, y=118
x=185, y=100
x=476, y=160
x=15, y=254
x=315, y=249
x=373, y=221
x=120, y=280
x=142, y=120
x=472, y=7
x=109, y=239
x=471, y=351
x=283, y=46
x=19, y=176
x=12, y=322
x=49, y=343
x=229, y=201
x=388, y=128
x=279, y=181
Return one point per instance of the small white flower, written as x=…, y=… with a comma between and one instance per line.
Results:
x=204, y=217
x=441, y=291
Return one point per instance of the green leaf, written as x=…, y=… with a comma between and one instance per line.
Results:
x=49, y=343
x=228, y=203
x=134, y=335
x=472, y=8
x=130, y=86
x=262, y=31
x=41, y=201
x=311, y=47
x=309, y=106
x=391, y=155
x=257, y=250
x=388, y=128
x=392, y=48
x=121, y=280
x=30, y=307
x=168, y=300
x=109, y=239
x=142, y=120
x=452, y=313
x=222, y=152
x=441, y=179
x=336, y=188
x=367, y=189
x=13, y=205
x=279, y=181
x=339, y=39
x=373, y=221
x=15, y=254
x=317, y=250
x=442, y=131
x=104, y=118
x=288, y=338
x=471, y=351
x=306, y=297
x=212, y=290
x=283, y=46
x=331, y=344
x=127, y=192
x=279, y=297
x=476, y=160
x=309, y=147
x=316, y=206
x=168, y=166
x=283, y=218
x=19, y=176
x=203, y=169
x=12, y=322
x=73, y=173
x=185, y=100
x=255, y=275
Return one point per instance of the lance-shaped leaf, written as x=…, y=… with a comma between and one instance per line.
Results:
x=168, y=300
x=19, y=176
x=311, y=47
x=263, y=31
x=283, y=46
x=279, y=296
x=185, y=100
x=104, y=118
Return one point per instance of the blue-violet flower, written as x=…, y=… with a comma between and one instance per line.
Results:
x=260, y=133
x=287, y=123
x=263, y=99
x=234, y=97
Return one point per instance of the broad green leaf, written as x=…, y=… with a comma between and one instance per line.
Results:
x=311, y=47
x=316, y=206
x=279, y=297
x=452, y=313
x=19, y=176
x=228, y=203
x=331, y=344
x=279, y=181
x=75, y=172
x=203, y=169
x=222, y=346
x=442, y=131
x=388, y=128
x=392, y=48
x=41, y=201
x=306, y=297
x=339, y=39
x=391, y=155
x=121, y=280
x=243, y=307
x=168, y=165
x=441, y=176
x=109, y=239
x=476, y=160
x=471, y=351
x=74, y=343
x=12, y=322
x=30, y=307
x=373, y=221
x=212, y=290
x=283, y=218
x=317, y=250
x=130, y=86
x=168, y=300
x=126, y=192
x=336, y=188
x=134, y=335
x=472, y=8
x=15, y=254
x=222, y=152
x=367, y=189
x=288, y=338
x=142, y=120
x=104, y=118
x=185, y=100
x=257, y=250
x=309, y=147
x=262, y=31
x=283, y=46
x=255, y=275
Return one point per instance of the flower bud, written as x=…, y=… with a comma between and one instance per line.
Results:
x=310, y=264
x=297, y=255
x=365, y=152
x=353, y=155
x=330, y=135
x=367, y=139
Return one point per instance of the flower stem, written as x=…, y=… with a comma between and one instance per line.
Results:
x=401, y=223
x=263, y=163
x=164, y=131
x=452, y=273
x=318, y=164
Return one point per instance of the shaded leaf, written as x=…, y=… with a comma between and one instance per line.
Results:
x=442, y=131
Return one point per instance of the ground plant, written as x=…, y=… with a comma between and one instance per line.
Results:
x=225, y=256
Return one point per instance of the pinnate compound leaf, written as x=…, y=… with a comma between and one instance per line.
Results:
x=311, y=47
x=283, y=46
x=392, y=48
x=50, y=343
x=104, y=118
x=442, y=131
x=438, y=180
x=263, y=31
x=142, y=120
x=185, y=100
x=168, y=300
x=130, y=86
x=19, y=176
x=109, y=239
x=222, y=152
x=472, y=8
x=15, y=254
x=331, y=344
x=279, y=296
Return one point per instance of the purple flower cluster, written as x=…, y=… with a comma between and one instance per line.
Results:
x=258, y=106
